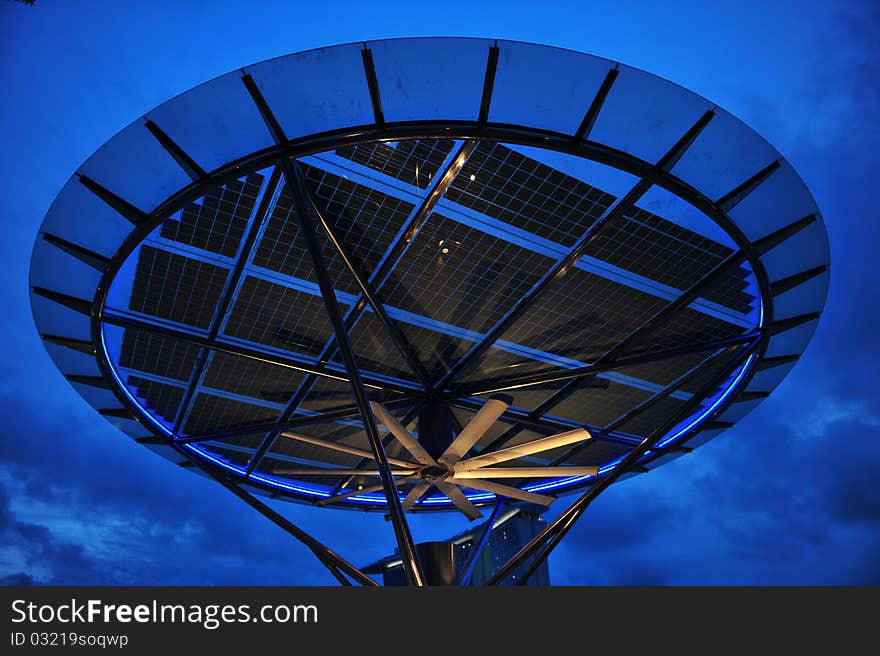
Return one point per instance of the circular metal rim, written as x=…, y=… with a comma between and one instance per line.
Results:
x=516, y=135
x=472, y=130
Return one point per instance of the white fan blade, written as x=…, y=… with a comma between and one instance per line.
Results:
x=503, y=490
x=403, y=436
x=457, y=497
x=476, y=428
x=525, y=449
x=352, y=493
x=317, y=471
x=344, y=448
x=414, y=495
x=526, y=472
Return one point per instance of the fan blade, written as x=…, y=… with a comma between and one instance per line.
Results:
x=476, y=428
x=457, y=497
x=414, y=495
x=403, y=436
x=352, y=493
x=527, y=472
x=344, y=448
x=525, y=449
x=503, y=490
x=318, y=471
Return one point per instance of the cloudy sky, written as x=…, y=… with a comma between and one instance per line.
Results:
x=789, y=496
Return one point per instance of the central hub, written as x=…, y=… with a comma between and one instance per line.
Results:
x=433, y=473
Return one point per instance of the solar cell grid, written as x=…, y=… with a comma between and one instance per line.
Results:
x=176, y=288
x=595, y=452
x=327, y=394
x=665, y=371
x=249, y=377
x=365, y=220
x=158, y=355
x=531, y=397
x=651, y=246
x=498, y=363
x=274, y=315
x=217, y=222
x=375, y=350
x=684, y=327
x=598, y=402
x=412, y=161
x=281, y=248
x=506, y=185
x=459, y=275
x=210, y=412
x=161, y=399
x=652, y=417
x=582, y=315
x=233, y=456
x=436, y=351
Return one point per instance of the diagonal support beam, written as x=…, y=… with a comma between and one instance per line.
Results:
x=650, y=402
x=435, y=191
x=566, y=263
x=92, y=381
x=408, y=554
x=557, y=271
x=787, y=324
x=76, y=304
x=559, y=375
x=547, y=539
x=371, y=296
x=247, y=246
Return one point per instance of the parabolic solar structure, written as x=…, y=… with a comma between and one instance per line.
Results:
x=429, y=274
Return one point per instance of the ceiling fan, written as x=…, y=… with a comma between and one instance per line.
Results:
x=452, y=469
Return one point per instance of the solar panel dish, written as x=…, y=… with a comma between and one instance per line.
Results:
x=467, y=255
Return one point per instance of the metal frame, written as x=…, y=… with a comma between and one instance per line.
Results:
x=285, y=152
x=464, y=131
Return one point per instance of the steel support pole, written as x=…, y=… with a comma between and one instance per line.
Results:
x=369, y=293
x=551, y=536
x=408, y=554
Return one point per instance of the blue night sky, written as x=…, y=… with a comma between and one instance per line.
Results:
x=789, y=496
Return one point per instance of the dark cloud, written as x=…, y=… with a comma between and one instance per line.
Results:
x=764, y=504
x=98, y=509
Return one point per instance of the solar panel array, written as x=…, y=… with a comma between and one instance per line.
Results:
x=502, y=224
